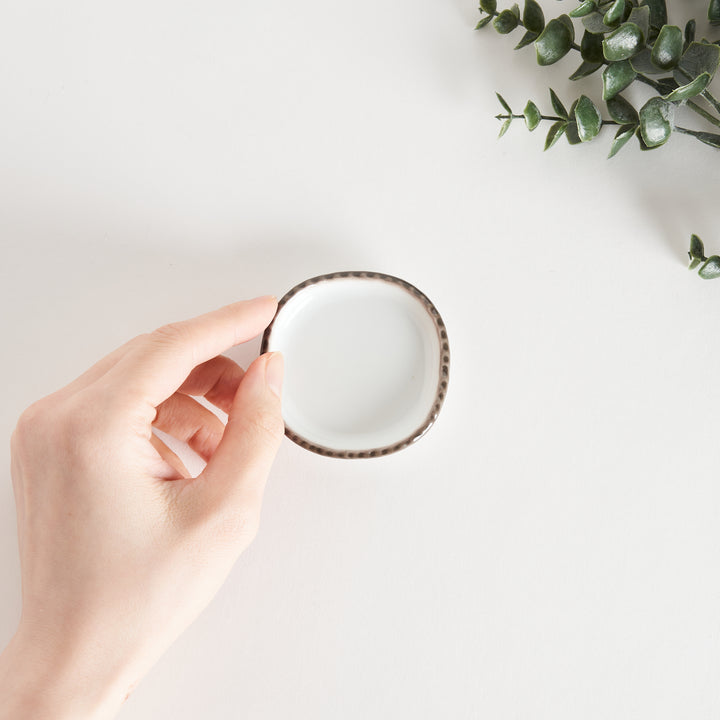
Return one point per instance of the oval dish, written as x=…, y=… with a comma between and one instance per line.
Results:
x=366, y=363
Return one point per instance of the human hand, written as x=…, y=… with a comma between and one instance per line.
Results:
x=120, y=548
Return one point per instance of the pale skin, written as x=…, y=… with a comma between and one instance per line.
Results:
x=120, y=548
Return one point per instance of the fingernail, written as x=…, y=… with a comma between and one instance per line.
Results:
x=274, y=372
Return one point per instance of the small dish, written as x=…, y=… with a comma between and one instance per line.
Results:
x=366, y=363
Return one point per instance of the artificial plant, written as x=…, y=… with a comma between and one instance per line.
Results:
x=628, y=41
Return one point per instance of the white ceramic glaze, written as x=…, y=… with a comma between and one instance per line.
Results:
x=366, y=363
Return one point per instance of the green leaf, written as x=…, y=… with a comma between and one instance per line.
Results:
x=506, y=22
x=712, y=139
x=622, y=136
x=697, y=249
x=588, y=119
x=714, y=12
x=532, y=115
x=685, y=92
x=527, y=39
x=565, y=20
x=711, y=269
x=594, y=23
x=488, y=6
x=641, y=17
x=533, y=18
x=656, y=121
x=485, y=21
x=658, y=12
x=585, y=69
x=591, y=48
x=623, y=43
x=643, y=146
x=585, y=8
x=642, y=63
x=616, y=77
x=668, y=48
x=571, y=133
x=689, y=33
x=555, y=133
x=504, y=103
x=621, y=111
x=558, y=107
x=699, y=58
x=615, y=14
x=504, y=127
x=554, y=42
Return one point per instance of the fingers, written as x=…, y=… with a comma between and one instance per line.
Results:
x=176, y=468
x=188, y=421
x=98, y=369
x=155, y=368
x=217, y=380
x=235, y=475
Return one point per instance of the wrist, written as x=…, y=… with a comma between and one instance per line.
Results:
x=45, y=681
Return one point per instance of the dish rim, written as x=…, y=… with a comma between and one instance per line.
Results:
x=443, y=369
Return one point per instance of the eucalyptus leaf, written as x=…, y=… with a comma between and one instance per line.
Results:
x=506, y=22
x=614, y=15
x=585, y=8
x=616, y=77
x=488, y=6
x=668, y=48
x=585, y=69
x=485, y=21
x=533, y=17
x=571, y=133
x=685, y=92
x=699, y=58
x=623, y=43
x=504, y=103
x=643, y=65
x=504, y=127
x=712, y=139
x=591, y=48
x=640, y=16
x=656, y=122
x=532, y=115
x=588, y=119
x=565, y=20
x=594, y=23
x=558, y=107
x=697, y=249
x=714, y=12
x=658, y=12
x=711, y=269
x=622, y=136
x=621, y=111
x=554, y=43
x=689, y=32
x=556, y=131
x=527, y=39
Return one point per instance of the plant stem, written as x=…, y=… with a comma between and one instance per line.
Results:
x=554, y=118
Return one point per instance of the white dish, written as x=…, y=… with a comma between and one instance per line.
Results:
x=366, y=363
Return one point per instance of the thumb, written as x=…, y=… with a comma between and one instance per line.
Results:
x=235, y=475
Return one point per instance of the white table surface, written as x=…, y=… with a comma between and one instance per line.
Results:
x=550, y=549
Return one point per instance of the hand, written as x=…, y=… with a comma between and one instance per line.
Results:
x=120, y=548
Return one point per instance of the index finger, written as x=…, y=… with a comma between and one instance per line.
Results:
x=156, y=367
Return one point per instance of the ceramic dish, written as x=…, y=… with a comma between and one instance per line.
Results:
x=366, y=363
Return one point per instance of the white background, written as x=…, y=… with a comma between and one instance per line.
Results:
x=550, y=549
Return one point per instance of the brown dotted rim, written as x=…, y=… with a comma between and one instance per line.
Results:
x=443, y=373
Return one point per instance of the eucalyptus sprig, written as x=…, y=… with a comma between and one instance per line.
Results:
x=631, y=41
x=709, y=266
